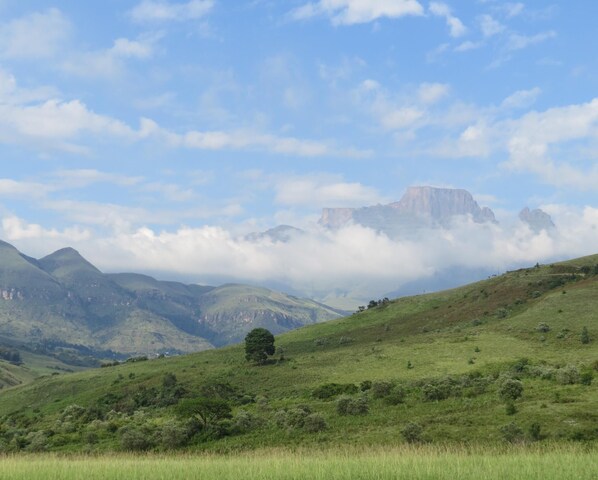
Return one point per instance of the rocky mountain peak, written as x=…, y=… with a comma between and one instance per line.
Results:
x=537, y=219
x=441, y=204
x=419, y=206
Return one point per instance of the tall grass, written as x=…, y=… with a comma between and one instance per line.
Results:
x=413, y=463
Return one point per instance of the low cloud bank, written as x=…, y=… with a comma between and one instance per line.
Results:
x=354, y=261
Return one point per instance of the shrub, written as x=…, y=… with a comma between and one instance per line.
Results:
x=585, y=336
x=135, y=439
x=412, y=432
x=510, y=408
x=329, y=390
x=38, y=441
x=510, y=389
x=245, y=421
x=586, y=377
x=511, y=432
x=365, y=385
x=381, y=389
x=352, y=406
x=543, y=328
x=292, y=418
x=314, y=422
x=534, y=431
x=567, y=375
x=396, y=396
x=173, y=435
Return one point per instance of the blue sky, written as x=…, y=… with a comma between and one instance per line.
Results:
x=153, y=135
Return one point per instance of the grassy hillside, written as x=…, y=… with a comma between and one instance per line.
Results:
x=432, y=367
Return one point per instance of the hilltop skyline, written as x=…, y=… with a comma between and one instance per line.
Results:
x=157, y=134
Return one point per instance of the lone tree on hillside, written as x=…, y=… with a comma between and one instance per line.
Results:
x=259, y=343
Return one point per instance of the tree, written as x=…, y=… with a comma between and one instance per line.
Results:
x=259, y=343
x=208, y=410
x=510, y=389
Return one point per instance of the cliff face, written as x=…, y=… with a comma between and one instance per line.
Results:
x=441, y=204
x=537, y=219
x=419, y=206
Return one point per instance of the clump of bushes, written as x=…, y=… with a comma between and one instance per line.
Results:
x=568, y=375
x=511, y=432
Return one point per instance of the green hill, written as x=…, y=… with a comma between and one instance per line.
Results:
x=63, y=307
x=437, y=367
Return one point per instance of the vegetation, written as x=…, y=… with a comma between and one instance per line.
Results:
x=405, y=376
x=417, y=462
x=259, y=344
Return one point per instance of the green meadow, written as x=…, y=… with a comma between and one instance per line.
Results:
x=421, y=463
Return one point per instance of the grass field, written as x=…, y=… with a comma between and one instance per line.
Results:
x=415, y=463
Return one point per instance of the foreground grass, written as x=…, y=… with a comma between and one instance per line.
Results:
x=413, y=463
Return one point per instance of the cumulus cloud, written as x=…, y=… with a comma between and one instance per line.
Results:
x=111, y=62
x=456, y=27
x=323, y=190
x=37, y=35
x=54, y=123
x=350, y=12
x=432, y=92
x=163, y=11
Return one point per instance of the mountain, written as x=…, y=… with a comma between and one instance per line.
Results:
x=510, y=359
x=419, y=207
x=280, y=233
x=537, y=220
x=62, y=305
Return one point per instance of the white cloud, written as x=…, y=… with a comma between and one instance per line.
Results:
x=519, y=42
x=35, y=36
x=323, y=190
x=490, y=26
x=163, y=11
x=522, y=98
x=430, y=93
x=353, y=260
x=350, y=12
x=246, y=139
x=111, y=62
x=456, y=27
x=82, y=178
x=53, y=123
x=15, y=229
x=468, y=45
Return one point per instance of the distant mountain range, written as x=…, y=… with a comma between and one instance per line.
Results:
x=62, y=302
x=424, y=207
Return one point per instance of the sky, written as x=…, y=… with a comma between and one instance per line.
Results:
x=153, y=135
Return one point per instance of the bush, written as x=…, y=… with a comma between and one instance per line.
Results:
x=586, y=377
x=412, y=432
x=510, y=389
x=567, y=375
x=135, y=439
x=543, y=328
x=396, y=396
x=585, y=336
x=535, y=431
x=352, y=406
x=365, y=385
x=510, y=408
x=173, y=435
x=329, y=390
x=381, y=389
x=511, y=432
x=292, y=418
x=314, y=422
